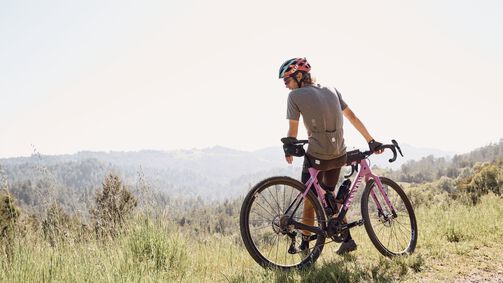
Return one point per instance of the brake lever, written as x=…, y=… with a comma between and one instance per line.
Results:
x=353, y=167
x=398, y=147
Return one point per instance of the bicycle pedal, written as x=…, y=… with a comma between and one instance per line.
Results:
x=292, y=250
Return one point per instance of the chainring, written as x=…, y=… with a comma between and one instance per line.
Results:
x=336, y=231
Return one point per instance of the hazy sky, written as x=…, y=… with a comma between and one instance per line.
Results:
x=124, y=75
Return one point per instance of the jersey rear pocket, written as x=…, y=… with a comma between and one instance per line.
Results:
x=329, y=144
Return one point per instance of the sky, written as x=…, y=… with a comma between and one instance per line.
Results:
x=165, y=75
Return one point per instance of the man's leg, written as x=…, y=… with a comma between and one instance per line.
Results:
x=308, y=212
x=330, y=180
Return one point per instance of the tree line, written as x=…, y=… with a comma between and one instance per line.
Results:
x=429, y=168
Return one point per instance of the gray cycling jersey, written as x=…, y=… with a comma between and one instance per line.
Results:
x=321, y=109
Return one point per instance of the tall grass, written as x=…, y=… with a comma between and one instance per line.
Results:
x=456, y=241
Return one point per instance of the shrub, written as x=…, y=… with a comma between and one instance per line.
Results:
x=446, y=184
x=9, y=214
x=114, y=205
x=454, y=235
x=150, y=245
x=486, y=177
x=56, y=226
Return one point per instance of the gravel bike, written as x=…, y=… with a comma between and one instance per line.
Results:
x=272, y=221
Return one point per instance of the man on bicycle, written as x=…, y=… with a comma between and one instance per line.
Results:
x=322, y=109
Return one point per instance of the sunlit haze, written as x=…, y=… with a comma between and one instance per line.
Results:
x=124, y=76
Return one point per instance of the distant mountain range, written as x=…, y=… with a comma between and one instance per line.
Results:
x=213, y=173
x=409, y=153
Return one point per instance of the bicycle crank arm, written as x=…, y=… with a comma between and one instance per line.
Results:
x=302, y=226
x=353, y=224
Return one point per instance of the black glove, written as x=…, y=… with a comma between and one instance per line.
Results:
x=288, y=140
x=290, y=148
x=374, y=145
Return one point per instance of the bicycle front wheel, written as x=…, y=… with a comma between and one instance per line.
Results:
x=263, y=214
x=393, y=233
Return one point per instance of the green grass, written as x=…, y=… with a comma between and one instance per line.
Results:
x=455, y=242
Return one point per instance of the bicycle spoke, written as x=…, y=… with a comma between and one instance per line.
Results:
x=397, y=243
x=260, y=225
x=277, y=204
x=284, y=199
x=265, y=199
x=382, y=227
x=404, y=233
x=268, y=212
x=260, y=228
x=270, y=219
x=290, y=200
x=402, y=225
x=277, y=247
x=280, y=207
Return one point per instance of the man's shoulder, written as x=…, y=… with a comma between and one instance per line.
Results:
x=305, y=90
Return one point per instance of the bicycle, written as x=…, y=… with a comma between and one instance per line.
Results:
x=271, y=218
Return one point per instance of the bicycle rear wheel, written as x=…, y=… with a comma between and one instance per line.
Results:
x=393, y=234
x=265, y=237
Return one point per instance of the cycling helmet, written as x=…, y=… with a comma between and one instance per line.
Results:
x=293, y=65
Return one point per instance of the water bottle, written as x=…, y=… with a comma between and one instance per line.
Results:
x=331, y=208
x=343, y=192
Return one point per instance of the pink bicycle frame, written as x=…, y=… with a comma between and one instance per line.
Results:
x=364, y=172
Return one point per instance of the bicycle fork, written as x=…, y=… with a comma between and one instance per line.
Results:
x=385, y=197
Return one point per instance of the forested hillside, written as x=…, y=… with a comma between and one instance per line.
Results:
x=428, y=169
x=212, y=174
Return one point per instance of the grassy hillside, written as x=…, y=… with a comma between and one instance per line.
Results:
x=455, y=242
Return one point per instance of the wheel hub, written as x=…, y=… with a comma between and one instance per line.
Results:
x=276, y=225
x=386, y=220
x=280, y=224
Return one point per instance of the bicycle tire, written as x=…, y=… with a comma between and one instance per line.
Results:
x=372, y=219
x=252, y=241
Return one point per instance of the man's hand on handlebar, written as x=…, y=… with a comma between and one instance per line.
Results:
x=374, y=146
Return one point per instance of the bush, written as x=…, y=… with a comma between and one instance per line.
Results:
x=114, y=205
x=57, y=225
x=9, y=214
x=447, y=184
x=428, y=194
x=151, y=246
x=486, y=177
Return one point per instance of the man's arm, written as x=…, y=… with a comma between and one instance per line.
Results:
x=293, y=130
x=357, y=123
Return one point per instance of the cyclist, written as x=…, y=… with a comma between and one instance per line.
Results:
x=322, y=109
